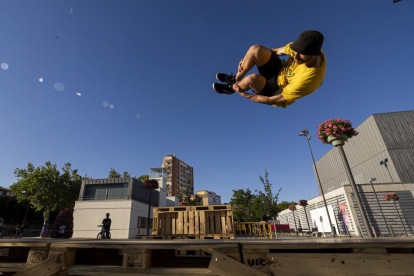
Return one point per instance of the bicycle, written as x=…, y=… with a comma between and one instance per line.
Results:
x=101, y=234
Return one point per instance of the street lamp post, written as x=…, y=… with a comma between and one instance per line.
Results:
x=305, y=133
x=356, y=192
x=379, y=205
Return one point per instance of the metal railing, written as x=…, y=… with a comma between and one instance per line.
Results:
x=103, y=197
x=254, y=230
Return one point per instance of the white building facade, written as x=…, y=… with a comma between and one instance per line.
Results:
x=124, y=199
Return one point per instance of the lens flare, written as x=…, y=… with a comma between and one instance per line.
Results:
x=4, y=66
x=41, y=80
x=79, y=94
x=59, y=86
x=105, y=104
x=111, y=106
x=138, y=116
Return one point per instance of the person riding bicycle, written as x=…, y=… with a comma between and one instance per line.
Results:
x=106, y=222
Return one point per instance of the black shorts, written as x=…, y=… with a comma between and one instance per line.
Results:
x=271, y=68
x=270, y=71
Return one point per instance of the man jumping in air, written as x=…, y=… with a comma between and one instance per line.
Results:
x=279, y=82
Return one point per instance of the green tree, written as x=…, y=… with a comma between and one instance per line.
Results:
x=64, y=218
x=284, y=205
x=126, y=174
x=143, y=177
x=242, y=203
x=46, y=188
x=270, y=208
x=114, y=174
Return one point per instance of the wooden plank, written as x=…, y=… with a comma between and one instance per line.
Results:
x=180, y=226
x=174, y=223
x=185, y=224
x=136, y=259
x=36, y=256
x=119, y=271
x=340, y=264
x=207, y=220
x=155, y=226
x=227, y=266
x=45, y=268
x=211, y=220
x=163, y=221
x=197, y=222
x=215, y=229
x=223, y=222
x=202, y=222
x=168, y=224
x=191, y=222
x=257, y=261
x=229, y=225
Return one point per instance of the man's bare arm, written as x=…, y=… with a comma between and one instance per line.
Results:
x=277, y=99
x=279, y=51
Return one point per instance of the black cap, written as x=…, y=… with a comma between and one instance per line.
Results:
x=308, y=43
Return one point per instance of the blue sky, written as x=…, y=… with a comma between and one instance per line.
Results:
x=155, y=61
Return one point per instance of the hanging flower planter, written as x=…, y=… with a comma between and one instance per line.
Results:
x=292, y=207
x=151, y=184
x=336, y=131
x=304, y=203
x=184, y=203
x=391, y=197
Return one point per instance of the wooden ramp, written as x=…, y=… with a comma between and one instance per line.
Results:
x=381, y=256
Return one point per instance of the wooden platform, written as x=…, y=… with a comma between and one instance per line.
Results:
x=313, y=256
x=193, y=220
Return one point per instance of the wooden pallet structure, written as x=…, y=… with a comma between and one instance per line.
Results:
x=332, y=256
x=198, y=222
x=17, y=255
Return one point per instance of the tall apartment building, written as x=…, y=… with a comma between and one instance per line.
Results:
x=178, y=173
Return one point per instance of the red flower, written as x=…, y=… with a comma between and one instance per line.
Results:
x=335, y=127
x=292, y=207
x=391, y=197
x=151, y=184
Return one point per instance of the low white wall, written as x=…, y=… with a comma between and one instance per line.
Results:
x=88, y=214
x=138, y=209
x=172, y=201
x=123, y=213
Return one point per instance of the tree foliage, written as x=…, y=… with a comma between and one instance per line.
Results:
x=259, y=206
x=270, y=201
x=46, y=188
x=243, y=202
x=142, y=178
x=285, y=204
x=114, y=174
x=65, y=217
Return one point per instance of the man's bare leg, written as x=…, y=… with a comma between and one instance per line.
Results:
x=255, y=82
x=256, y=55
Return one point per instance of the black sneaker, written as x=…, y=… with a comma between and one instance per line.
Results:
x=223, y=88
x=230, y=79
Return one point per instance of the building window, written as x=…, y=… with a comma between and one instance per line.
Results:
x=106, y=191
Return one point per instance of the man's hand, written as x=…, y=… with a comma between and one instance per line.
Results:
x=277, y=99
x=238, y=89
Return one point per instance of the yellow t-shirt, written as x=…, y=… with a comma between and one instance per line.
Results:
x=297, y=81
